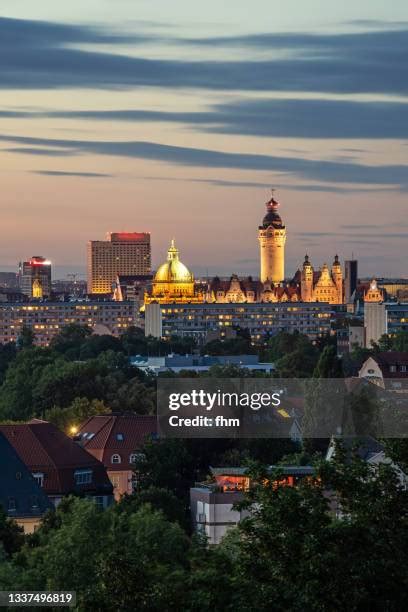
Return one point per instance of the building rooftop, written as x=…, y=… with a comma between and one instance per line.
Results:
x=107, y=435
x=47, y=450
x=20, y=495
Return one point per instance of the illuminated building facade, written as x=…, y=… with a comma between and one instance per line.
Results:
x=173, y=282
x=260, y=319
x=322, y=286
x=46, y=319
x=375, y=318
x=35, y=277
x=126, y=253
x=272, y=239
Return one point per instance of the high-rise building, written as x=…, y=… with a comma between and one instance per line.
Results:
x=124, y=253
x=350, y=278
x=35, y=277
x=375, y=317
x=272, y=238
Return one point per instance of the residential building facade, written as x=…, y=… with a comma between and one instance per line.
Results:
x=46, y=319
x=261, y=319
x=116, y=441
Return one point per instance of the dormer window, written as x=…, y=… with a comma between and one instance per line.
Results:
x=39, y=478
x=83, y=477
x=116, y=459
x=120, y=437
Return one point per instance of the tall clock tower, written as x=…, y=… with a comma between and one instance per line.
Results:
x=272, y=238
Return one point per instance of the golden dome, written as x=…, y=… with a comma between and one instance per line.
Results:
x=173, y=270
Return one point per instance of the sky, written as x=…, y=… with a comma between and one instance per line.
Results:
x=178, y=117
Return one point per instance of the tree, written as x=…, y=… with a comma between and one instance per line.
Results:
x=293, y=553
x=11, y=535
x=146, y=564
x=70, y=340
x=159, y=499
x=7, y=355
x=74, y=415
x=329, y=365
x=16, y=392
x=26, y=338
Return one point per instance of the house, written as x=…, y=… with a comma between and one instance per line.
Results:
x=116, y=440
x=383, y=366
x=57, y=463
x=20, y=496
x=389, y=364
x=212, y=503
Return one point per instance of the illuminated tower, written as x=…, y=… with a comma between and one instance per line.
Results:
x=272, y=238
x=306, y=281
x=35, y=277
x=337, y=275
x=375, y=315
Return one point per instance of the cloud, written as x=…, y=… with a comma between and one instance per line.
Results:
x=321, y=170
x=76, y=174
x=30, y=34
x=286, y=118
x=47, y=152
x=41, y=55
x=285, y=186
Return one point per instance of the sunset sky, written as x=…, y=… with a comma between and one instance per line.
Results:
x=177, y=117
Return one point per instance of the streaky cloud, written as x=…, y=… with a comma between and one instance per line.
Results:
x=74, y=174
x=320, y=170
x=287, y=118
x=42, y=55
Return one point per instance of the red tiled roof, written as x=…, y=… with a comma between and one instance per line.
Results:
x=392, y=358
x=100, y=436
x=44, y=448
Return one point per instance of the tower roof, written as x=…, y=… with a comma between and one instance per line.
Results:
x=173, y=270
x=272, y=217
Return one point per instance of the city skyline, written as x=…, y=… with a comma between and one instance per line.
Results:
x=114, y=119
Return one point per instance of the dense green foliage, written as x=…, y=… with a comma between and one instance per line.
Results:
x=296, y=550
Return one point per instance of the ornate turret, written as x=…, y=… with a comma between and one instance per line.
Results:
x=337, y=274
x=373, y=294
x=306, y=281
x=272, y=238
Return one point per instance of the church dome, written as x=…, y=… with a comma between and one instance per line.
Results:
x=173, y=270
x=272, y=217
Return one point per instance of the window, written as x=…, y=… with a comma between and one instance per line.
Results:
x=34, y=502
x=116, y=459
x=83, y=477
x=120, y=437
x=393, y=368
x=115, y=480
x=99, y=501
x=39, y=478
x=12, y=504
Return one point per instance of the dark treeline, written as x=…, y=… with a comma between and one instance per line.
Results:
x=292, y=552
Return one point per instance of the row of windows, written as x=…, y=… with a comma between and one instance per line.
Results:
x=116, y=458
